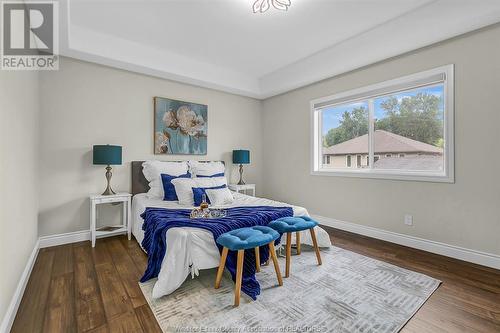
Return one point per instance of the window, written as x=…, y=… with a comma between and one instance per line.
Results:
x=410, y=118
x=356, y=113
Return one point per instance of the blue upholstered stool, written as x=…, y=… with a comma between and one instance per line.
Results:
x=241, y=240
x=287, y=225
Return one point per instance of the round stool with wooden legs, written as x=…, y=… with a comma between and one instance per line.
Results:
x=244, y=239
x=288, y=225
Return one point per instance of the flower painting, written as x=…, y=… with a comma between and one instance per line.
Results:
x=180, y=127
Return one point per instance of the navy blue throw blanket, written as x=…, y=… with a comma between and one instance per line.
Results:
x=158, y=220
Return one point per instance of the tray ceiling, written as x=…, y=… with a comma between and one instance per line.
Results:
x=222, y=44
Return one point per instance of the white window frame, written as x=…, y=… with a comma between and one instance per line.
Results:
x=413, y=81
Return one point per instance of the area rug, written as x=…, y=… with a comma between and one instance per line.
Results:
x=348, y=293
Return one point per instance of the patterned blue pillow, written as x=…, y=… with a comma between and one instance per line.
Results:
x=199, y=191
x=211, y=176
x=168, y=187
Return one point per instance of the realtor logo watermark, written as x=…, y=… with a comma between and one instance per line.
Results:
x=30, y=37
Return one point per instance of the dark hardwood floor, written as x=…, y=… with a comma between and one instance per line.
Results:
x=75, y=288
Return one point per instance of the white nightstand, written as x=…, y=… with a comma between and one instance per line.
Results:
x=242, y=188
x=125, y=227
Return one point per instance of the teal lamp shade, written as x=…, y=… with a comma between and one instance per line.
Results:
x=107, y=155
x=241, y=156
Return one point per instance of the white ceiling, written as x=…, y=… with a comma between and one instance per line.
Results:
x=222, y=44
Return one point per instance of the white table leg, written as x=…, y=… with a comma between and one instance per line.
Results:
x=92, y=222
x=124, y=214
x=129, y=219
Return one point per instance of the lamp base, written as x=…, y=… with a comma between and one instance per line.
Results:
x=109, y=190
x=241, y=182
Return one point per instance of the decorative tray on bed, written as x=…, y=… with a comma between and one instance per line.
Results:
x=208, y=213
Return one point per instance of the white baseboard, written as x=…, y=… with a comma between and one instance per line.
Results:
x=477, y=257
x=10, y=315
x=67, y=238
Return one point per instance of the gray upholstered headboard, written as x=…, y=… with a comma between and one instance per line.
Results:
x=139, y=182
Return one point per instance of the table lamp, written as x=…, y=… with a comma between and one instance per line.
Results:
x=241, y=157
x=107, y=155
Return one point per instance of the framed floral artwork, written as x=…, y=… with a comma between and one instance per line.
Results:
x=180, y=127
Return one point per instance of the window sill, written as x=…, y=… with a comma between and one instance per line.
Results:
x=387, y=174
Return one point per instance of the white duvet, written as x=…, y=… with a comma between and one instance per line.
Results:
x=191, y=249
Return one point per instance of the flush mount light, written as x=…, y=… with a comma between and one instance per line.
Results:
x=260, y=6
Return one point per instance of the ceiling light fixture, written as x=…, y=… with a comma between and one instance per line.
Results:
x=261, y=6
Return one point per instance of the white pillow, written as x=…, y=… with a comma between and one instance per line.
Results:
x=184, y=187
x=152, y=171
x=220, y=196
x=206, y=168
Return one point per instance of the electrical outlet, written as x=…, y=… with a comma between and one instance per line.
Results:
x=408, y=219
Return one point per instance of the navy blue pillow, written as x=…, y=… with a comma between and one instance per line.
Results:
x=199, y=191
x=168, y=187
x=211, y=176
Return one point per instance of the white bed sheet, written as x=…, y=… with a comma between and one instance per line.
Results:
x=192, y=249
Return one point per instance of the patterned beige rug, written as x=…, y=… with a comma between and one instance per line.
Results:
x=348, y=293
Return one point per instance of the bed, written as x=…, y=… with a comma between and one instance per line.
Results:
x=190, y=250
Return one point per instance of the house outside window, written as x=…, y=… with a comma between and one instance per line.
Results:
x=398, y=129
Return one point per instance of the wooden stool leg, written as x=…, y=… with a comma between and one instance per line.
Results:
x=239, y=276
x=221, y=267
x=272, y=253
x=257, y=259
x=315, y=243
x=288, y=253
x=297, y=241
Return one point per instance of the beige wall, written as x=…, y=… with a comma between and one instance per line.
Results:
x=85, y=104
x=19, y=111
x=466, y=213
